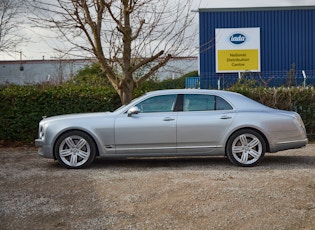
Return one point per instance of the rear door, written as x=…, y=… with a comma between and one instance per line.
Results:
x=203, y=123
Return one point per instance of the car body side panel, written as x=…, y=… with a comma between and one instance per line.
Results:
x=202, y=131
x=279, y=129
x=146, y=133
x=176, y=133
x=100, y=126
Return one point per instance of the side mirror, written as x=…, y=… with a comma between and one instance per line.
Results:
x=133, y=110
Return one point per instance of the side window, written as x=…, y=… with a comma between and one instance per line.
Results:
x=201, y=102
x=164, y=103
x=198, y=102
x=222, y=104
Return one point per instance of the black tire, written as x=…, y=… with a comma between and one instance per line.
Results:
x=75, y=149
x=246, y=148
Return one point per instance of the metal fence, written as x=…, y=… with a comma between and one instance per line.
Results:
x=266, y=79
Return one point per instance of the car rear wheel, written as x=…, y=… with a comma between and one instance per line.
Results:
x=75, y=149
x=246, y=148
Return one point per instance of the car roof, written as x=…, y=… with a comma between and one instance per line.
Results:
x=238, y=101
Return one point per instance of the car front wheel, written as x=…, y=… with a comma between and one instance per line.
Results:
x=75, y=149
x=246, y=148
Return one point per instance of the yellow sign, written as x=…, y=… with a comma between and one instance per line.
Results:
x=237, y=49
x=238, y=60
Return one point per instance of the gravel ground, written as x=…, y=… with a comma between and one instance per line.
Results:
x=202, y=193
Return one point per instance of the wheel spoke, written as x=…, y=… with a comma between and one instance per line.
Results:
x=80, y=144
x=253, y=143
x=65, y=152
x=73, y=160
x=244, y=157
x=83, y=154
x=237, y=149
x=70, y=143
x=243, y=140
x=254, y=153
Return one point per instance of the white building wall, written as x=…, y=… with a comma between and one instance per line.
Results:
x=57, y=71
x=29, y=72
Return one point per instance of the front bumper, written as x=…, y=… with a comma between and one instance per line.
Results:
x=39, y=142
x=44, y=150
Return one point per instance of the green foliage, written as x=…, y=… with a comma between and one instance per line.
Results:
x=91, y=75
x=22, y=107
x=153, y=84
x=244, y=83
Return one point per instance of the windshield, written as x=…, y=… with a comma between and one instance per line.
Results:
x=123, y=106
x=120, y=108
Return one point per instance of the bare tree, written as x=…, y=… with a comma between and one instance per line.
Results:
x=125, y=36
x=10, y=25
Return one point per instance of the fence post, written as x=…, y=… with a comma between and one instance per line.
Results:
x=304, y=76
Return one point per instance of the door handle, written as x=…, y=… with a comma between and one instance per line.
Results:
x=224, y=117
x=168, y=119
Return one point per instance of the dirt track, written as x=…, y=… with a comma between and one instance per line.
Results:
x=203, y=193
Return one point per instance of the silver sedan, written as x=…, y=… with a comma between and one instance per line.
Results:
x=173, y=123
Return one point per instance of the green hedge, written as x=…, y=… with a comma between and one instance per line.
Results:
x=22, y=107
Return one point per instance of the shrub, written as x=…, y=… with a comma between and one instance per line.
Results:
x=154, y=84
x=22, y=107
x=91, y=75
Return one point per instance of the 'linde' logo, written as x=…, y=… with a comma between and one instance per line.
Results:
x=237, y=39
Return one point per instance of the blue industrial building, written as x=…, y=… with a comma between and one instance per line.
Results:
x=287, y=42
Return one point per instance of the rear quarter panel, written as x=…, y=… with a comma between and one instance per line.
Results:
x=276, y=127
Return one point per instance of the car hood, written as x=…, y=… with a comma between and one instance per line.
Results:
x=76, y=116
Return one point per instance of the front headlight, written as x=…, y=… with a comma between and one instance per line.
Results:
x=41, y=132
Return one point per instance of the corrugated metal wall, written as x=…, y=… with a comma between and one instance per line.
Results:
x=287, y=38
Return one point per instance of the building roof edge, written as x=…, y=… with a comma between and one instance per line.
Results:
x=255, y=8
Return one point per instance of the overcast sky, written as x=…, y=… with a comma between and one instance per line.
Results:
x=40, y=47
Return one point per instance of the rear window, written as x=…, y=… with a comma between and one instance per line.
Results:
x=201, y=102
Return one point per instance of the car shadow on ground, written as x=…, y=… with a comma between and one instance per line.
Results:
x=270, y=161
x=303, y=161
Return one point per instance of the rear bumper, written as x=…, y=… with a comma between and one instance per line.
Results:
x=280, y=146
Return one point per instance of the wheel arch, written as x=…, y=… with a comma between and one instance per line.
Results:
x=253, y=129
x=71, y=130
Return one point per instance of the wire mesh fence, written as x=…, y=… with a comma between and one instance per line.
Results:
x=265, y=79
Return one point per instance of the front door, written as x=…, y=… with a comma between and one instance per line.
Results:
x=152, y=131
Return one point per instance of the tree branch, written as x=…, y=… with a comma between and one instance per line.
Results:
x=153, y=70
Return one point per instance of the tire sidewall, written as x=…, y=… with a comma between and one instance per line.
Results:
x=82, y=135
x=236, y=135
